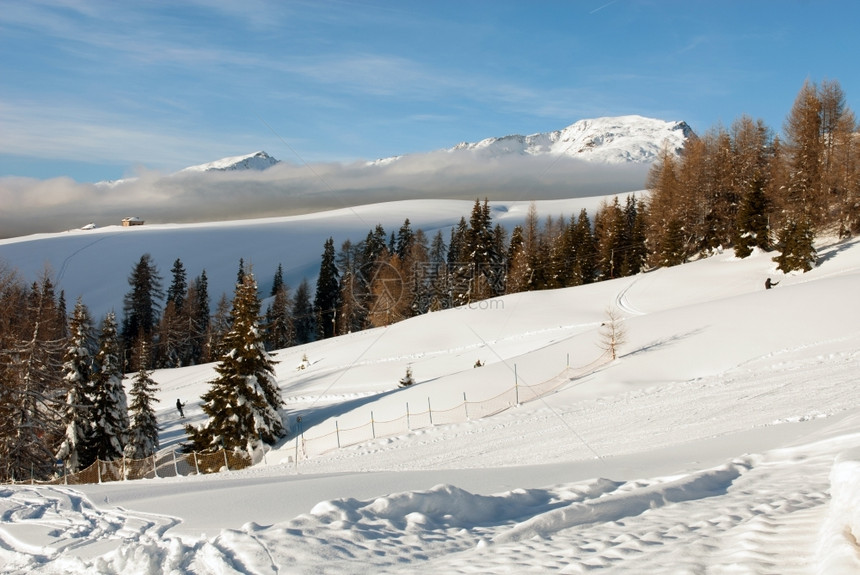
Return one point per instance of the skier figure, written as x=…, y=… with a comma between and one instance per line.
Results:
x=769, y=284
x=179, y=405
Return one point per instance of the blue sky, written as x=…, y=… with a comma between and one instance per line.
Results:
x=100, y=90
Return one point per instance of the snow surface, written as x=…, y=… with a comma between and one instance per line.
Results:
x=725, y=439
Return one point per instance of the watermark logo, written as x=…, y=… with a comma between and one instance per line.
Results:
x=384, y=288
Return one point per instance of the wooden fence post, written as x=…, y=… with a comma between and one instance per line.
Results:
x=516, y=385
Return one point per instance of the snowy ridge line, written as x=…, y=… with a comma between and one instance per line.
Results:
x=461, y=413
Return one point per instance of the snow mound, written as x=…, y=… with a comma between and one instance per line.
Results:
x=839, y=540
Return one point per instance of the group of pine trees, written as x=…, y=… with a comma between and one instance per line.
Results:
x=63, y=403
x=386, y=278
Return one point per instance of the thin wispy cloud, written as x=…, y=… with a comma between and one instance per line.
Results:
x=598, y=9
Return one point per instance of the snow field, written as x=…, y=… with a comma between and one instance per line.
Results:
x=725, y=439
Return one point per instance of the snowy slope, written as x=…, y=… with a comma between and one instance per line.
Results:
x=96, y=263
x=725, y=439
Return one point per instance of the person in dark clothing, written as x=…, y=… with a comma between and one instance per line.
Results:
x=769, y=284
x=179, y=405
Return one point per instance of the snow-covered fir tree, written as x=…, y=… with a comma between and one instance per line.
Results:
x=77, y=375
x=143, y=431
x=110, y=406
x=243, y=401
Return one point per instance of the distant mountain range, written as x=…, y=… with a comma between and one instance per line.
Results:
x=614, y=140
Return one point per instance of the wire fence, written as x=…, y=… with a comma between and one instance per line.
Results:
x=428, y=416
x=173, y=463
x=170, y=463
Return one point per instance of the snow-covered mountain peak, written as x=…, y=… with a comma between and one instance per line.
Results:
x=611, y=140
x=256, y=161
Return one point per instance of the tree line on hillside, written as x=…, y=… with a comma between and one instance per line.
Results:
x=740, y=188
x=746, y=188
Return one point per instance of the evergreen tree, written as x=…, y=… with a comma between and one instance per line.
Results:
x=585, y=251
x=110, y=406
x=178, y=286
x=753, y=153
x=304, y=318
x=457, y=243
x=437, y=273
x=476, y=274
x=352, y=311
x=673, y=250
x=143, y=431
x=62, y=318
x=752, y=228
x=635, y=251
x=328, y=292
x=77, y=375
x=795, y=243
x=240, y=275
x=141, y=305
x=243, y=401
x=517, y=263
x=350, y=316
x=373, y=247
x=278, y=281
x=405, y=239
x=279, y=324
x=197, y=303
x=802, y=203
x=415, y=267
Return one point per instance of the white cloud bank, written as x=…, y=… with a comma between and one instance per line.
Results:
x=34, y=206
